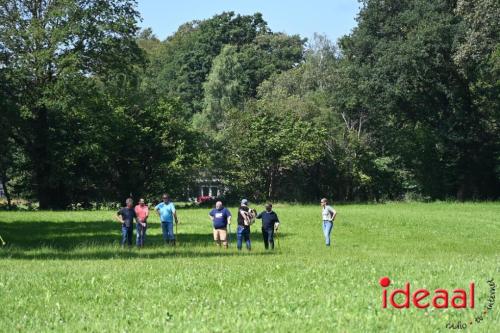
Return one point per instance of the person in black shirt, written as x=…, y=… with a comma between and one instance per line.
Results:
x=245, y=218
x=126, y=217
x=270, y=224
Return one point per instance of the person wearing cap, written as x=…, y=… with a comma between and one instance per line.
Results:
x=221, y=218
x=270, y=224
x=142, y=213
x=245, y=219
x=166, y=212
x=328, y=214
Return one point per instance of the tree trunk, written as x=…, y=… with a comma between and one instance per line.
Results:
x=50, y=194
x=270, y=189
x=6, y=192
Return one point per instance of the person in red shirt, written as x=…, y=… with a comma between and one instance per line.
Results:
x=142, y=213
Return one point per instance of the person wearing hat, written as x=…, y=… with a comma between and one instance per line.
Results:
x=245, y=219
x=270, y=224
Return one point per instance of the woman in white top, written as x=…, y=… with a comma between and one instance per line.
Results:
x=328, y=214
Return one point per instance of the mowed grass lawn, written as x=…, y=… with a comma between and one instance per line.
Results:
x=64, y=271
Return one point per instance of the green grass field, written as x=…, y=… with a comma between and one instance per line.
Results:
x=64, y=271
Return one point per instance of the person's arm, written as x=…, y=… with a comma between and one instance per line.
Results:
x=334, y=213
x=245, y=216
x=174, y=212
x=228, y=217
x=211, y=215
x=276, y=223
x=119, y=216
x=259, y=216
x=135, y=211
x=143, y=222
x=157, y=210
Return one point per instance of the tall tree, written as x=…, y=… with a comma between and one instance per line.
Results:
x=56, y=49
x=405, y=52
x=183, y=64
x=238, y=70
x=267, y=142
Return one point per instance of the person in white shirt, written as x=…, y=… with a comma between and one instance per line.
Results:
x=328, y=214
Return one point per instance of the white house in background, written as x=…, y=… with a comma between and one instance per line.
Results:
x=209, y=187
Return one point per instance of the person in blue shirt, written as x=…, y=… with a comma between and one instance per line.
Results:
x=166, y=212
x=270, y=224
x=221, y=218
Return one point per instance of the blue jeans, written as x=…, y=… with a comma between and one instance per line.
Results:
x=168, y=231
x=327, y=230
x=268, y=235
x=127, y=233
x=243, y=234
x=141, y=234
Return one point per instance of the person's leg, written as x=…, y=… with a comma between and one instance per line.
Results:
x=216, y=237
x=138, y=229
x=223, y=237
x=324, y=232
x=327, y=229
x=164, y=230
x=130, y=234
x=265, y=237
x=270, y=236
x=143, y=238
x=239, y=237
x=330, y=231
x=171, y=235
x=124, y=235
x=247, y=238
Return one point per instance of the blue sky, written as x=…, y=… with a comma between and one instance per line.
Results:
x=333, y=18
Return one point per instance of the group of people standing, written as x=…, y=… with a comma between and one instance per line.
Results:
x=221, y=221
x=126, y=215
x=221, y=218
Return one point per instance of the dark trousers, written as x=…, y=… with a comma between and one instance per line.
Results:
x=141, y=234
x=268, y=235
x=243, y=234
x=127, y=233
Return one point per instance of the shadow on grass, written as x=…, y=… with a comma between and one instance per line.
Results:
x=81, y=240
x=124, y=254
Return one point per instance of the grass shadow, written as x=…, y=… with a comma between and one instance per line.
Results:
x=100, y=240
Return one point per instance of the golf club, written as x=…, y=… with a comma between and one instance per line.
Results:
x=143, y=230
x=277, y=238
x=176, y=233
x=3, y=242
x=229, y=236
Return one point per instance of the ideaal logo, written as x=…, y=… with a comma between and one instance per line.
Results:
x=419, y=298
x=439, y=299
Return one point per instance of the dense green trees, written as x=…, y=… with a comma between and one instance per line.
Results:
x=74, y=108
x=433, y=121
x=93, y=109
x=56, y=56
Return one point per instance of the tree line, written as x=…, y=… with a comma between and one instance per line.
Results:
x=94, y=109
